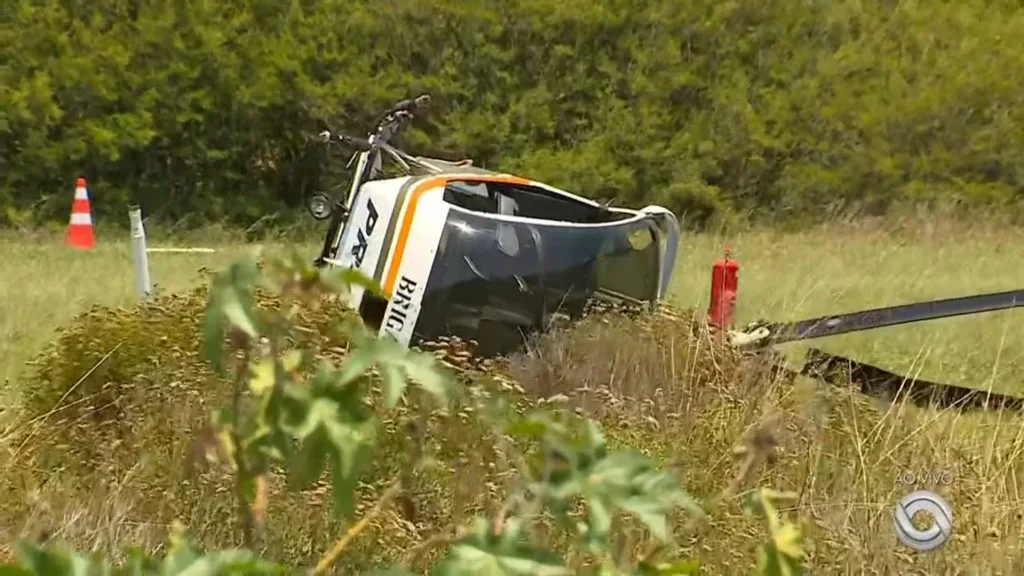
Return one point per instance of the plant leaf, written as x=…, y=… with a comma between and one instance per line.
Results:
x=681, y=568
x=394, y=384
x=482, y=553
x=237, y=314
x=262, y=376
x=230, y=302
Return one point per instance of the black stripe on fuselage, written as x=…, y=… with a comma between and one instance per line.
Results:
x=389, y=236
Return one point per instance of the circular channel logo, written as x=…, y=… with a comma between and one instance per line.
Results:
x=931, y=537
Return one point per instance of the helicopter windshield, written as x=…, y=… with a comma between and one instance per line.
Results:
x=496, y=280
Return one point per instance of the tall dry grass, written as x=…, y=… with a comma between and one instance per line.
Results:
x=104, y=466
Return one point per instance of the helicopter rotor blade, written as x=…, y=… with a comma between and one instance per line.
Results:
x=894, y=315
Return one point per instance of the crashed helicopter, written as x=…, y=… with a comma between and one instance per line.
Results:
x=493, y=258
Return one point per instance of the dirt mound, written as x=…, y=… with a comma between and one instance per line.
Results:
x=109, y=419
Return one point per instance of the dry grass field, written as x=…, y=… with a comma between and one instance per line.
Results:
x=840, y=452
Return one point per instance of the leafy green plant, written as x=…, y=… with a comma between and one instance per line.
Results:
x=291, y=413
x=782, y=554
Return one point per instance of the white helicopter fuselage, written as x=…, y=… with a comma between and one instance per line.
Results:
x=491, y=234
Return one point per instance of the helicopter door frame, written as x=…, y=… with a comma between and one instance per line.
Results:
x=666, y=224
x=418, y=222
x=360, y=176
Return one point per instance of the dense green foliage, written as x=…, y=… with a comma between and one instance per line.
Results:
x=730, y=107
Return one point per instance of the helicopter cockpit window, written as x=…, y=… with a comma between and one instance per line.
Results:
x=473, y=196
x=508, y=241
x=628, y=263
x=478, y=197
x=486, y=279
x=479, y=285
x=526, y=201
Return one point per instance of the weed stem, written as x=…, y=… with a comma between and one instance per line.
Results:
x=241, y=464
x=339, y=547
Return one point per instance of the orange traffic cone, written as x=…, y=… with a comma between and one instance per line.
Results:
x=80, y=232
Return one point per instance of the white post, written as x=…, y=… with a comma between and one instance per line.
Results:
x=139, y=258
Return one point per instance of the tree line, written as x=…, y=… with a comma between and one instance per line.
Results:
x=784, y=109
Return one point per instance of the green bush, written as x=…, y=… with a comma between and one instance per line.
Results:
x=715, y=109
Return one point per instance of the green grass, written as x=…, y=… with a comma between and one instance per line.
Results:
x=841, y=455
x=45, y=283
x=839, y=269
x=782, y=277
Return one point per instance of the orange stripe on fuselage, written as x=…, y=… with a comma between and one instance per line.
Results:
x=410, y=215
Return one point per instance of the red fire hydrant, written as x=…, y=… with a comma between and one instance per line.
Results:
x=724, y=286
